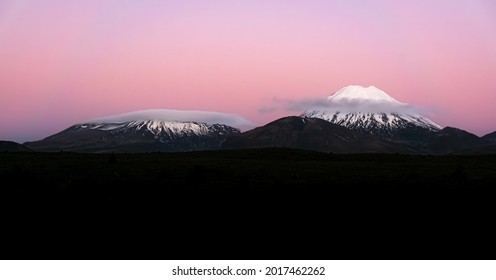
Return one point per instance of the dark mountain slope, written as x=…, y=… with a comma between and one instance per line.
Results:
x=9, y=146
x=311, y=134
x=453, y=140
x=490, y=137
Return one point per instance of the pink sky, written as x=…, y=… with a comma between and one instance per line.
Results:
x=63, y=61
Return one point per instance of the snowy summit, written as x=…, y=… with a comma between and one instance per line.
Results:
x=370, y=110
x=360, y=93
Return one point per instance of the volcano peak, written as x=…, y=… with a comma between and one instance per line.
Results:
x=361, y=93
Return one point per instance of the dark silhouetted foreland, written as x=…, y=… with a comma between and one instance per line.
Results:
x=258, y=203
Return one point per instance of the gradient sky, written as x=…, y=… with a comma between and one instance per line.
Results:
x=64, y=61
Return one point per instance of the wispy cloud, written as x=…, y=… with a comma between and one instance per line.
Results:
x=267, y=110
x=304, y=104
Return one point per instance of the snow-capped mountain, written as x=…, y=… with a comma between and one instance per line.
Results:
x=119, y=133
x=161, y=131
x=178, y=116
x=371, y=110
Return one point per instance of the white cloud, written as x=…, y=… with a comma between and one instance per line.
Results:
x=267, y=110
x=304, y=104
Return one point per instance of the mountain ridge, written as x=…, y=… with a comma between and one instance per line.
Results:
x=319, y=135
x=354, y=119
x=291, y=132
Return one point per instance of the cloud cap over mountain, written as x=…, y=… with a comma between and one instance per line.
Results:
x=359, y=99
x=180, y=116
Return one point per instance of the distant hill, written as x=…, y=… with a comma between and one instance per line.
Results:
x=490, y=137
x=454, y=140
x=9, y=146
